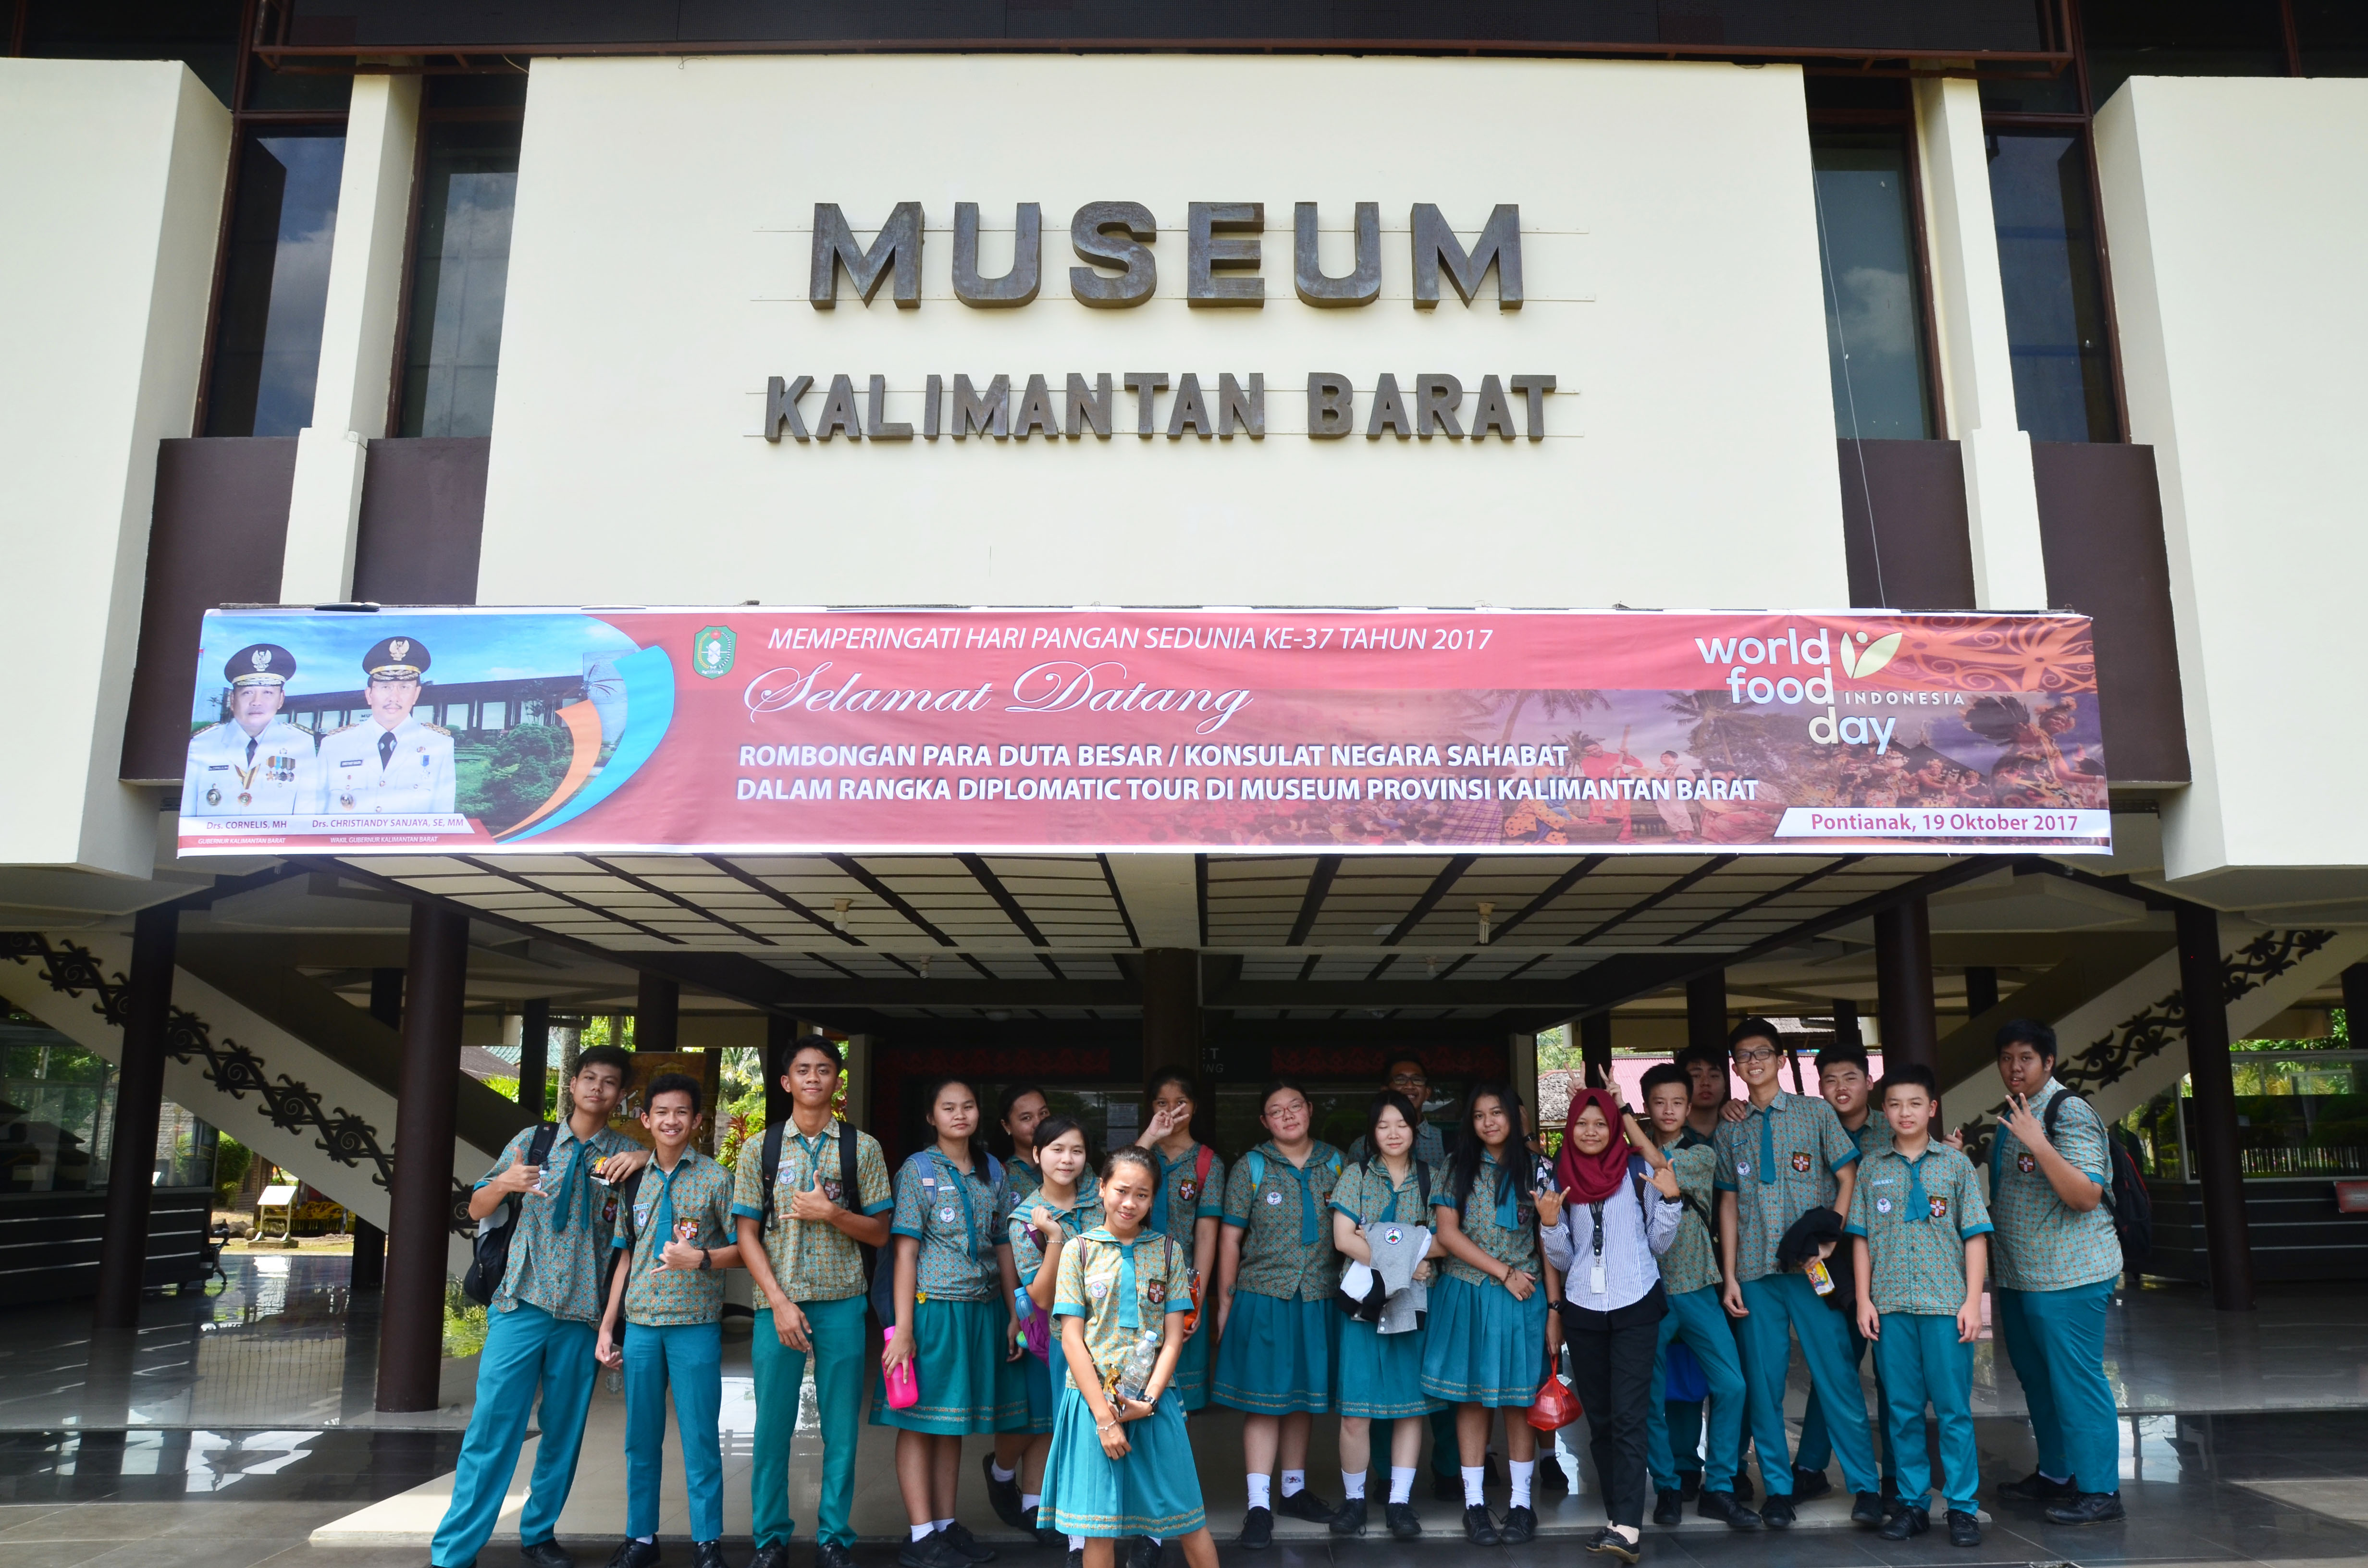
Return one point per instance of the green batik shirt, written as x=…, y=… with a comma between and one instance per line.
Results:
x=1027, y=1256
x=1428, y=1147
x=1916, y=1215
x=1366, y=1196
x=952, y=1215
x=2042, y=1244
x=1184, y=1199
x=1020, y=1183
x=562, y=1241
x=1691, y=1262
x=814, y=1259
x=1780, y=1163
x=1872, y=1137
x=1092, y=1287
x=1286, y=1242
x=1506, y=1229
x=697, y=1196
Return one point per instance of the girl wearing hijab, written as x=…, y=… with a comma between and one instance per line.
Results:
x=1617, y=1211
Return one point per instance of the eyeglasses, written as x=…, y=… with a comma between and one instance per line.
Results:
x=1408, y=1081
x=1761, y=1054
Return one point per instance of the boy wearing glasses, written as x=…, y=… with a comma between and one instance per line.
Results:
x=1788, y=1155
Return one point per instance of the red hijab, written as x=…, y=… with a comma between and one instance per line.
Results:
x=1591, y=1178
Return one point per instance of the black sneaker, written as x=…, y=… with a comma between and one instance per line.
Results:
x=1611, y=1543
x=1905, y=1523
x=1965, y=1529
x=965, y=1545
x=1721, y=1506
x=1143, y=1552
x=1669, y=1508
x=930, y=1552
x=1892, y=1501
x=545, y=1554
x=1808, y=1483
x=1777, y=1514
x=773, y=1556
x=1001, y=1495
x=2087, y=1508
x=1690, y=1484
x=636, y=1554
x=1258, y=1531
x=1480, y=1526
x=1519, y=1527
x=1049, y=1538
x=1403, y=1525
x=2037, y=1488
x=1350, y=1518
x=1866, y=1511
x=1076, y=1557
x=830, y=1554
x=707, y=1554
x=1304, y=1505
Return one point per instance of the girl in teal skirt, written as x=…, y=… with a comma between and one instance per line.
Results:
x=1122, y=1466
x=1277, y=1332
x=1021, y=1109
x=1484, y=1347
x=1387, y=1193
x=1066, y=1204
x=1187, y=1206
x=950, y=1324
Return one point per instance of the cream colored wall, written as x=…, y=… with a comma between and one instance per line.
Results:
x=2232, y=210
x=111, y=181
x=658, y=276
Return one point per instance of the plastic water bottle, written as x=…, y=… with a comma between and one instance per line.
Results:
x=1135, y=1375
x=904, y=1392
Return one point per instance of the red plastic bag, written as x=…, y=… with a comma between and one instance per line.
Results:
x=1556, y=1406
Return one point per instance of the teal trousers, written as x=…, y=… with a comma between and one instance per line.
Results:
x=525, y=1349
x=1817, y=1449
x=1920, y=1361
x=1783, y=1305
x=685, y=1359
x=1697, y=1318
x=2057, y=1341
x=842, y=1362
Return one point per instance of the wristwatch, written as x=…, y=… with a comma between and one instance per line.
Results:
x=706, y=1260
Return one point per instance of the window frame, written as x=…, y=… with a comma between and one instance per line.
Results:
x=480, y=114
x=1928, y=326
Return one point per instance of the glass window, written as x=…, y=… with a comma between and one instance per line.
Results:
x=1874, y=305
x=2179, y=37
x=2054, y=301
x=2333, y=37
x=276, y=282
x=57, y=1111
x=2297, y=1114
x=458, y=274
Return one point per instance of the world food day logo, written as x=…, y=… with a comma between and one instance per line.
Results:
x=1857, y=657
x=712, y=649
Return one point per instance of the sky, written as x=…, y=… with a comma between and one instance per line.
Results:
x=464, y=645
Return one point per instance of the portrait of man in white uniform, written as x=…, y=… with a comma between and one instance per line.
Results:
x=390, y=764
x=254, y=763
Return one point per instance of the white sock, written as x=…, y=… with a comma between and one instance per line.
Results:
x=646, y=1540
x=1475, y=1483
x=1076, y=1543
x=923, y=1532
x=1001, y=1473
x=2058, y=1479
x=1520, y=1470
x=1294, y=1482
x=1628, y=1533
x=1353, y=1484
x=1029, y=1499
x=1260, y=1491
x=939, y=1524
x=1401, y=1483
x=1153, y=1539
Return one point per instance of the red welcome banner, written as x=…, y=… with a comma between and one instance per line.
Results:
x=752, y=731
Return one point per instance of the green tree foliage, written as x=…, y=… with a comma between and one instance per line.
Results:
x=521, y=768
x=230, y=1160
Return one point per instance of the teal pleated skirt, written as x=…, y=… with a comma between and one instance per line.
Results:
x=1380, y=1374
x=1278, y=1358
x=1036, y=1391
x=959, y=1363
x=1481, y=1347
x=1190, y=1383
x=1155, y=1490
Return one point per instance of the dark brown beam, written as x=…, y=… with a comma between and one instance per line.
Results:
x=522, y=883
x=891, y=897
x=139, y=1107
x=977, y=867
x=1653, y=901
x=757, y=884
x=1553, y=891
x=2203, y=983
x=1795, y=885
x=1319, y=883
x=1133, y=939
x=702, y=911
x=419, y=1202
x=1438, y=888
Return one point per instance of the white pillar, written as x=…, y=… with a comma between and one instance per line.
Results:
x=357, y=339
x=1977, y=372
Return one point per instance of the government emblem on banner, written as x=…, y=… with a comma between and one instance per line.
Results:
x=712, y=649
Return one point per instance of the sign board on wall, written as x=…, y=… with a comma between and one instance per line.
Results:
x=811, y=731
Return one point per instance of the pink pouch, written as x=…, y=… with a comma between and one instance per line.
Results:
x=903, y=1389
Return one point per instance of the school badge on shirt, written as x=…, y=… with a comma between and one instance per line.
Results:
x=1939, y=1208
x=1274, y=1199
x=2025, y=1164
x=1801, y=1164
x=1883, y=1206
x=1188, y=1190
x=1156, y=1292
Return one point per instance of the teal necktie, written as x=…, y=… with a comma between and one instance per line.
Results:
x=1919, y=1208
x=662, y=1231
x=1128, y=1317
x=1767, y=1116
x=1308, y=1234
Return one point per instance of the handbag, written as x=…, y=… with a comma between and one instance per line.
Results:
x=1556, y=1404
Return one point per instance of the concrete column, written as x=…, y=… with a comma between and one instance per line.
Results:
x=1595, y=1047
x=2219, y=1169
x=1521, y=1059
x=386, y=997
x=860, y=1048
x=1171, y=1010
x=358, y=345
x=1846, y=1024
x=534, y=1056
x=1981, y=990
x=419, y=1204
x=1977, y=372
x=139, y=1107
x=369, y=1256
x=657, y=1016
x=1706, y=1013
x=1903, y=971
x=2355, y=1002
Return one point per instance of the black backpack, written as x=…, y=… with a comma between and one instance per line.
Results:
x=850, y=1150
x=492, y=1253
x=2126, y=1195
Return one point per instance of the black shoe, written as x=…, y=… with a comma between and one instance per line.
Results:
x=1668, y=1509
x=1965, y=1529
x=1046, y=1536
x=1808, y=1483
x=1777, y=1514
x=636, y=1554
x=830, y=1554
x=930, y=1552
x=1905, y=1523
x=1003, y=1496
x=1891, y=1502
x=1519, y=1527
x=1446, y=1488
x=2089, y=1509
x=1258, y=1531
x=1350, y=1518
x=1076, y=1557
x=1479, y=1527
x=545, y=1554
x=776, y=1556
x=707, y=1554
x=1304, y=1505
x=2037, y=1488
x=1721, y=1506
x=1611, y=1543
x=1142, y=1552
x=1743, y=1493
x=1403, y=1526
x=1690, y=1484
x=965, y=1545
x=1866, y=1511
